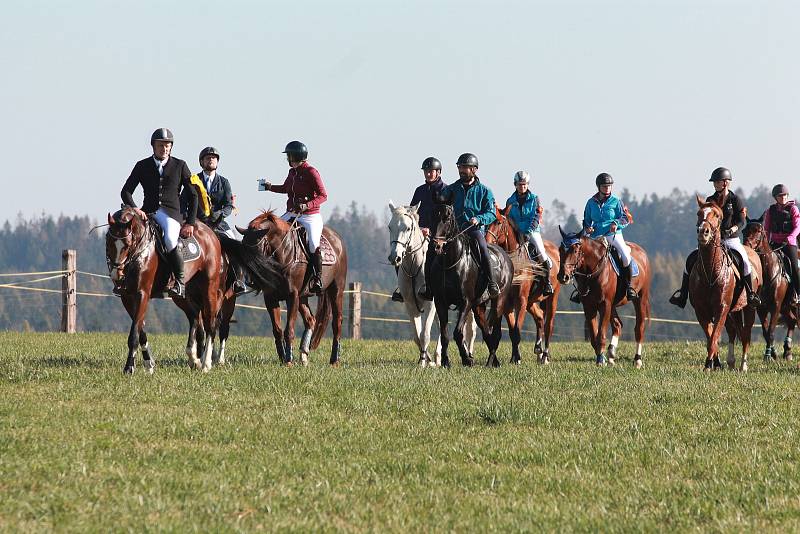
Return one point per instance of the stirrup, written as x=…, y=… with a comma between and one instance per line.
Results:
x=315, y=286
x=240, y=288
x=677, y=299
x=575, y=297
x=178, y=289
x=547, y=289
x=117, y=291
x=493, y=288
x=396, y=296
x=753, y=299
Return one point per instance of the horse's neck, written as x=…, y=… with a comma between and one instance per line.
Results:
x=593, y=251
x=416, y=258
x=712, y=255
x=283, y=244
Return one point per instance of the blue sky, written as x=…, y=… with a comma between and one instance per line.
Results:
x=656, y=93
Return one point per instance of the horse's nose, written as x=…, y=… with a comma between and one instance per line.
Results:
x=395, y=260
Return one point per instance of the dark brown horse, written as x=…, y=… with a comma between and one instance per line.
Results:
x=526, y=292
x=713, y=290
x=457, y=281
x=589, y=261
x=269, y=236
x=138, y=270
x=774, y=301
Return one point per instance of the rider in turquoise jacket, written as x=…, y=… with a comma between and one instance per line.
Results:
x=473, y=207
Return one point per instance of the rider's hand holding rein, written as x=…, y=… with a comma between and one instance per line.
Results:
x=474, y=221
x=187, y=231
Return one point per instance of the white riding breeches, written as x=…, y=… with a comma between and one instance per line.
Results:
x=535, y=238
x=171, y=228
x=734, y=244
x=230, y=234
x=618, y=242
x=313, y=225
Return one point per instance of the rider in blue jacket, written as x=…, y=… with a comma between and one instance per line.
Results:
x=526, y=214
x=473, y=207
x=605, y=216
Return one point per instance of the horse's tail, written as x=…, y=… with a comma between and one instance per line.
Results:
x=264, y=272
x=322, y=316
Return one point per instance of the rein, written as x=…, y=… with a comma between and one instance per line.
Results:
x=142, y=246
x=409, y=252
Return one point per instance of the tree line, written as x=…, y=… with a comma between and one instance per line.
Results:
x=663, y=224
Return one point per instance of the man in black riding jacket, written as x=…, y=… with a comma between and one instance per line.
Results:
x=424, y=195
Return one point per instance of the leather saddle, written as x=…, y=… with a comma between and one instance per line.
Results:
x=302, y=254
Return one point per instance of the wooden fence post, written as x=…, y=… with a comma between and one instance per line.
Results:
x=69, y=304
x=355, y=310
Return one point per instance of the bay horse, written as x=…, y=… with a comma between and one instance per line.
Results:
x=589, y=261
x=714, y=293
x=139, y=272
x=526, y=292
x=457, y=281
x=407, y=250
x=774, y=291
x=270, y=237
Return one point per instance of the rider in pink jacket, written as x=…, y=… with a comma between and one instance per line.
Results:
x=782, y=224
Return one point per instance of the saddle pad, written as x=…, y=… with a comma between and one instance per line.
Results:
x=634, y=266
x=189, y=248
x=326, y=250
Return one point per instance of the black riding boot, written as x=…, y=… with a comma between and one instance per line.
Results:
x=427, y=294
x=679, y=297
x=626, y=277
x=547, y=287
x=396, y=296
x=316, y=276
x=753, y=300
x=492, y=287
x=176, y=264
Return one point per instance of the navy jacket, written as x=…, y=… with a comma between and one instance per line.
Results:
x=424, y=196
x=221, y=197
x=161, y=191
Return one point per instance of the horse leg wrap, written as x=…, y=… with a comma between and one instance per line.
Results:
x=305, y=343
x=287, y=358
x=336, y=351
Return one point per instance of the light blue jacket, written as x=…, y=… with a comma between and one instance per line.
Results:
x=600, y=214
x=476, y=201
x=525, y=215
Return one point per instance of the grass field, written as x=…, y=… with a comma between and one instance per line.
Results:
x=381, y=445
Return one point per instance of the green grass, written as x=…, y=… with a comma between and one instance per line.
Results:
x=381, y=445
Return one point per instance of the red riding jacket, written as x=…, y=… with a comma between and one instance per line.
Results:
x=304, y=186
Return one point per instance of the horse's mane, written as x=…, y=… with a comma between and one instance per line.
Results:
x=517, y=232
x=266, y=216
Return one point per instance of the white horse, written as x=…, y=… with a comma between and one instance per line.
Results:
x=407, y=249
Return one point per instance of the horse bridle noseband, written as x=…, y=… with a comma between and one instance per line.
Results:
x=407, y=244
x=142, y=246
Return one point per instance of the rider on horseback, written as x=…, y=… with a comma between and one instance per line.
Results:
x=424, y=195
x=214, y=203
x=473, y=207
x=526, y=213
x=162, y=177
x=782, y=224
x=733, y=216
x=605, y=215
x=306, y=193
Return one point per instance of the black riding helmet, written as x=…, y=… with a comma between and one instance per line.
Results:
x=467, y=160
x=780, y=189
x=603, y=179
x=431, y=163
x=208, y=151
x=162, y=134
x=719, y=174
x=297, y=150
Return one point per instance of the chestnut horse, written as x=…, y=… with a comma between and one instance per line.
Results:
x=526, y=292
x=457, y=281
x=271, y=237
x=589, y=261
x=138, y=270
x=774, y=301
x=714, y=293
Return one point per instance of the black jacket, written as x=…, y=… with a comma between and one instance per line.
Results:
x=732, y=211
x=424, y=196
x=161, y=191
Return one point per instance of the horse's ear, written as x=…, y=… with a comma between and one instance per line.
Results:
x=563, y=235
x=415, y=207
x=506, y=210
x=700, y=202
x=239, y=229
x=747, y=219
x=391, y=205
x=581, y=233
x=110, y=219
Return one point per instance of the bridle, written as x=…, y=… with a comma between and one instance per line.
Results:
x=407, y=248
x=717, y=245
x=579, y=257
x=141, y=246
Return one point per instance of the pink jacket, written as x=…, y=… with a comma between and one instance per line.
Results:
x=777, y=237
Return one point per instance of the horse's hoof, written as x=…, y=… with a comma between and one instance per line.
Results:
x=288, y=364
x=767, y=358
x=611, y=362
x=637, y=362
x=206, y=369
x=150, y=366
x=744, y=367
x=537, y=349
x=788, y=357
x=335, y=364
x=600, y=361
x=128, y=370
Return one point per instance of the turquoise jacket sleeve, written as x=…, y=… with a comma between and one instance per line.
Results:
x=620, y=217
x=487, y=214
